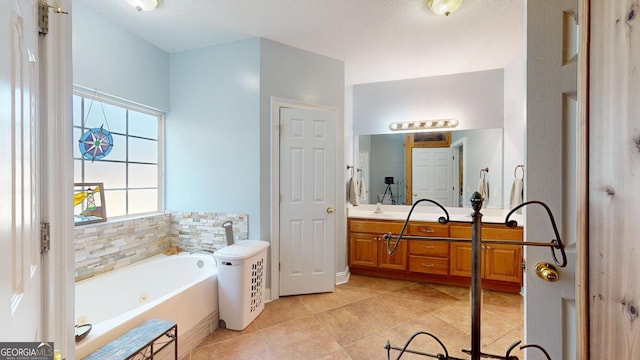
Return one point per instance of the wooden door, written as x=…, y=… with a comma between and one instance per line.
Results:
x=614, y=180
x=20, y=261
x=397, y=261
x=307, y=201
x=363, y=249
x=502, y=263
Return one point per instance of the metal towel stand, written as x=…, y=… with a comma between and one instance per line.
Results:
x=476, y=246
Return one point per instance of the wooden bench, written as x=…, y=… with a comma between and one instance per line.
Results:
x=139, y=342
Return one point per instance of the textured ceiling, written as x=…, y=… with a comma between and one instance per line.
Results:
x=378, y=40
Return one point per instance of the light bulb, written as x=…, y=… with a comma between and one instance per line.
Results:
x=444, y=7
x=144, y=5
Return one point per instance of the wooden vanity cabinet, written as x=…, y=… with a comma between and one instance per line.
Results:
x=429, y=257
x=500, y=263
x=368, y=249
x=435, y=261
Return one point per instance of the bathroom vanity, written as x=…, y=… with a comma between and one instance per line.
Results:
x=433, y=261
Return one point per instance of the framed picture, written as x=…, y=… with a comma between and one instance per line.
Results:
x=88, y=203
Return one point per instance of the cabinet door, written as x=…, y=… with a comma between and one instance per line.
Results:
x=460, y=260
x=363, y=250
x=503, y=263
x=397, y=261
x=499, y=262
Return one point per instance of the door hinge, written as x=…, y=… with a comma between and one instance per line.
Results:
x=279, y=266
x=43, y=16
x=44, y=237
x=523, y=265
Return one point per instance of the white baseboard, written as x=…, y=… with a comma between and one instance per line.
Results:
x=343, y=276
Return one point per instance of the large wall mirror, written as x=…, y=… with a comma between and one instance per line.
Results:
x=400, y=171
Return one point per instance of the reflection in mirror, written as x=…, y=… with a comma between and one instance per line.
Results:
x=448, y=174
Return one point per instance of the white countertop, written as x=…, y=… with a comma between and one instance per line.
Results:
x=428, y=213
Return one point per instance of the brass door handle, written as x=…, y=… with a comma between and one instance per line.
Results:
x=330, y=210
x=547, y=272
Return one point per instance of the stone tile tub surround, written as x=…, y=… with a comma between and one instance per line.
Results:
x=103, y=247
x=201, y=230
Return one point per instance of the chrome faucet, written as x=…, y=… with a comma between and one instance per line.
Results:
x=228, y=231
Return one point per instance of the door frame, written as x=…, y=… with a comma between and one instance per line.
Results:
x=278, y=103
x=56, y=165
x=582, y=184
x=455, y=150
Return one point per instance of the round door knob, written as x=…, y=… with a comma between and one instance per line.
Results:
x=547, y=272
x=330, y=210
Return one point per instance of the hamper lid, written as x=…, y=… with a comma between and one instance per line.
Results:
x=241, y=250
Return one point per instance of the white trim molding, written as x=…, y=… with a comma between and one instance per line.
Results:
x=56, y=162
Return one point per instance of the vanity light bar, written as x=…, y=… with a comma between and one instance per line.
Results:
x=423, y=125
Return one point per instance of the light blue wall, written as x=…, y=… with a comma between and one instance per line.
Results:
x=218, y=133
x=387, y=159
x=483, y=149
x=213, y=131
x=514, y=123
x=112, y=60
x=475, y=99
x=295, y=74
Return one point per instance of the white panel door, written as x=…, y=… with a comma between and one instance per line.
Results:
x=307, y=201
x=432, y=175
x=552, y=55
x=20, y=268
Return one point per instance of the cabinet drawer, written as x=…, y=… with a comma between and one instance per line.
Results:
x=376, y=227
x=429, y=248
x=429, y=230
x=488, y=232
x=428, y=265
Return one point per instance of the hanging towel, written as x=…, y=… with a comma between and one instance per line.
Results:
x=517, y=193
x=483, y=189
x=362, y=190
x=352, y=194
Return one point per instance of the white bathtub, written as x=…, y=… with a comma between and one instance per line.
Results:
x=181, y=288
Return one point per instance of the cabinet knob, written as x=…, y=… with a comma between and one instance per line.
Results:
x=428, y=246
x=428, y=231
x=427, y=265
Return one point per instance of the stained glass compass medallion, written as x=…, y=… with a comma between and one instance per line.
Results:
x=96, y=143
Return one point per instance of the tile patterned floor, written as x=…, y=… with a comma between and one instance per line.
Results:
x=358, y=318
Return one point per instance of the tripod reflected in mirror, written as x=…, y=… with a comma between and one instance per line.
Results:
x=388, y=180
